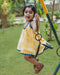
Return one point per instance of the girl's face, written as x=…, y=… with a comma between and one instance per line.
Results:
x=28, y=14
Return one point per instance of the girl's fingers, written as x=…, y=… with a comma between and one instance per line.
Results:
x=36, y=15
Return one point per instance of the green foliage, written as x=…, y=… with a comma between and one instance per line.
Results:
x=55, y=25
x=46, y=32
x=47, y=27
x=13, y=7
x=0, y=7
x=19, y=4
x=50, y=13
x=39, y=9
x=11, y=18
x=57, y=14
x=21, y=13
x=22, y=20
x=5, y=6
x=43, y=15
x=20, y=1
x=0, y=3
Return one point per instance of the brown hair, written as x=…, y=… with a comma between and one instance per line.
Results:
x=30, y=6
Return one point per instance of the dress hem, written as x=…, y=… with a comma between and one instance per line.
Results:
x=29, y=54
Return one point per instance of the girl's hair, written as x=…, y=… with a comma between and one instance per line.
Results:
x=30, y=6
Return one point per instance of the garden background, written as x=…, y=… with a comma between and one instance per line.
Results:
x=11, y=25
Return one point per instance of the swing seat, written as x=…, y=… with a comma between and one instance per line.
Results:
x=47, y=45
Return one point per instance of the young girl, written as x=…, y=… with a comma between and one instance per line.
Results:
x=28, y=44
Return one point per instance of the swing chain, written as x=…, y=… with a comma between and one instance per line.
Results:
x=38, y=39
x=57, y=51
x=38, y=34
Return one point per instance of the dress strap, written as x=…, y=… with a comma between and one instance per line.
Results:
x=26, y=25
x=29, y=23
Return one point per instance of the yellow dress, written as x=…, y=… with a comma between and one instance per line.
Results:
x=27, y=44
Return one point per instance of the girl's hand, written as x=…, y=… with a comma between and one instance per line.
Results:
x=37, y=17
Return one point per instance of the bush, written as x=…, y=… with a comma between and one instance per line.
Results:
x=21, y=13
x=57, y=13
x=11, y=18
x=39, y=9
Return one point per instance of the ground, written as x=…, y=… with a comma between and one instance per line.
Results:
x=13, y=63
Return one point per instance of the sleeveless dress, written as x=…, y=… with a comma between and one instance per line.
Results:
x=27, y=44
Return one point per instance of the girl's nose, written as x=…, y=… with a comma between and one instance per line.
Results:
x=27, y=13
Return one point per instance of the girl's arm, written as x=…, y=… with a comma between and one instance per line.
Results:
x=37, y=18
x=33, y=23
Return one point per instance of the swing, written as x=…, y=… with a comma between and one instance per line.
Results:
x=38, y=39
x=51, y=24
x=55, y=34
x=57, y=69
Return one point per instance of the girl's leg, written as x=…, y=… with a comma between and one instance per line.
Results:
x=31, y=59
x=37, y=66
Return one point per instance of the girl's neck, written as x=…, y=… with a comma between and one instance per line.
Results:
x=29, y=21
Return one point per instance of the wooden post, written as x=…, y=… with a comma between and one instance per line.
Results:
x=50, y=33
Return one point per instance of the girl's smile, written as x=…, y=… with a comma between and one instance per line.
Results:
x=28, y=14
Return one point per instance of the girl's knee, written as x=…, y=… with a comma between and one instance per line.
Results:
x=27, y=57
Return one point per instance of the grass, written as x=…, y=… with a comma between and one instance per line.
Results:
x=13, y=63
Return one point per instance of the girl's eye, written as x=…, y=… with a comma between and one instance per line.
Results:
x=26, y=12
x=30, y=12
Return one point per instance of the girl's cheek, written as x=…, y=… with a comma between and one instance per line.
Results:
x=32, y=15
x=25, y=14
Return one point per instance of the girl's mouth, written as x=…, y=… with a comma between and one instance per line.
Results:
x=28, y=17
